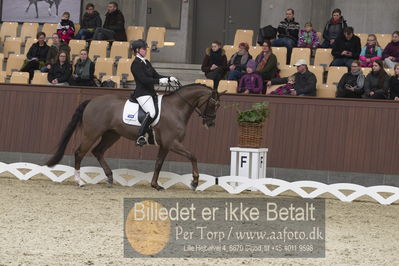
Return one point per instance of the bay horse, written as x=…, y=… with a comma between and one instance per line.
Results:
x=101, y=117
x=50, y=2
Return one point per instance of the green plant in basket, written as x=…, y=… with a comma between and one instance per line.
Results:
x=257, y=114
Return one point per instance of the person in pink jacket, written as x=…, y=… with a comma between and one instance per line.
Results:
x=251, y=82
x=66, y=28
x=371, y=52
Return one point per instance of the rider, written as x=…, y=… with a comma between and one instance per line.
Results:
x=145, y=77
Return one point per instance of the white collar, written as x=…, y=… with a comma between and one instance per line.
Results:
x=141, y=58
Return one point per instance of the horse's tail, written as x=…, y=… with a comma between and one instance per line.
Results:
x=73, y=124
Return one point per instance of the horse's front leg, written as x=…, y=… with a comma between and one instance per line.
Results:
x=179, y=148
x=158, y=165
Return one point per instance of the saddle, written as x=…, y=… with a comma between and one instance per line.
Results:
x=141, y=113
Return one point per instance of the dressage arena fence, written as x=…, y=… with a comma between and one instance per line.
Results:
x=232, y=184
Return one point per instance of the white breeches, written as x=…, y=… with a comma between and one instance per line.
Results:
x=147, y=104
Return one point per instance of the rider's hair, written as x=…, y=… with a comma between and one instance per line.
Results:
x=40, y=33
x=89, y=5
x=115, y=4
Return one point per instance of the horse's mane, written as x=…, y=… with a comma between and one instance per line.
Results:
x=188, y=85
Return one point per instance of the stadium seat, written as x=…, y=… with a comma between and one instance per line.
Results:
x=335, y=74
x=1, y=64
x=390, y=71
x=14, y=63
x=229, y=50
x=243, y=36
x=49, y=41
x=77, y=28
x=134, y=33
x=76, y=47
x=12, y=45
x=104, y=66
x=28, y=44
x=39, y=78
x=207, y=82
x=300, y=53
x=98, y=49
x=49, y=29
x=318, y=71
x=363, y=38
x=19, y=77
x=255, y=51
x=366, y=70
x=2, y=79
x=228, y=85
x=29, y=30
x=8, y=29
x=281, y=54
x=383, y=39
x=156, y=37
x=323, y=58
x=124, y=70
x=120, y=50
x=287, y=70
x=326, y=91
x=115, y=79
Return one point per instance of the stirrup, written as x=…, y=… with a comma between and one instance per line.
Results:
x=141, y=141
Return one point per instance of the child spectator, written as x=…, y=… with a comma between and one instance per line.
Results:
x=66, y=28
x=308, y=37
x=285, y=89
x=251, y=82
x=370, y=52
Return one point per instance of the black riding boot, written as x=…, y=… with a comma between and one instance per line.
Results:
x=141, y=141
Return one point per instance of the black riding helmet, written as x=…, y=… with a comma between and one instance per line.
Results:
x=137, y=44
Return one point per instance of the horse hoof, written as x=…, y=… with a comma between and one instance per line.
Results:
x=158, y=187
x=82, y=186
x=109, y=185
x=194, y=186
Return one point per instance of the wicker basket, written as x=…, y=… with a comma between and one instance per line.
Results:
x=250, y=135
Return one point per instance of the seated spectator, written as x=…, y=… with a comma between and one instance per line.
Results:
x=84, y=71
x=394, y=85
x=36, y=56
x=391, y=51
x=251, y=82
x=266, y=62
x=370, y=52
x=52, y=55
x=334, y=29
x=346, y=49
x=287, y=33
x=114, y=25
x=377, y=82
x=60, y=72
x=305, y=81
x=285, y=89
x=351, y=84
x=308, y=37
x=214, y=64
x=66, y=28
x=91, y=20
x=238, y=62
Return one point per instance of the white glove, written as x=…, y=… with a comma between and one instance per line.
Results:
x=163, y=81
x=173, y=79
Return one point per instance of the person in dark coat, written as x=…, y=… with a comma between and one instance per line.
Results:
x=288, y=31
x=114, y=25
x=145, y=77
x=394, y=85
x=238, y=62
x=334, y=29
x=390, y=54
x=266, y=62
x=214, y=64
x=36, y=56
x=351, y=85
x=346, y=49
x=84, y=71
x=377, y=82
x=305, y=81
x=91, y=20
x=61, y=71
x=52, y=55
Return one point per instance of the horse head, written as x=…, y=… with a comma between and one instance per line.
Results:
x=212, y=104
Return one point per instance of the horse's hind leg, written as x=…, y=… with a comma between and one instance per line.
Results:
x=107, y=140
x=179, y=148
x=80, y=153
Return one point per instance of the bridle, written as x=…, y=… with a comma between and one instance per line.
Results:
x=204, y=115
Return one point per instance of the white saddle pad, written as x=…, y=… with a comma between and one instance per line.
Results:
x=131, y=113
